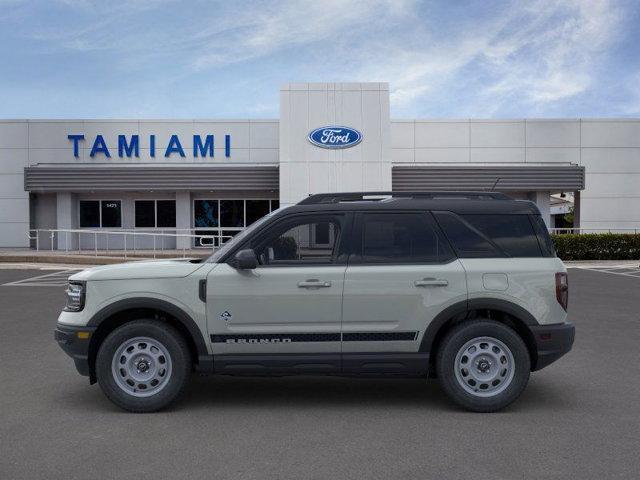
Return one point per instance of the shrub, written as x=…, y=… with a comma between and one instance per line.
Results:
x=597, y=246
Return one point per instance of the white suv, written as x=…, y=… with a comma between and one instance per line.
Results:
x=463, y=286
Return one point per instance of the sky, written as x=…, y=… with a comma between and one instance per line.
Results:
x=228, y=59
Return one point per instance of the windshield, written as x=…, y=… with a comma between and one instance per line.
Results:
x=239, y=238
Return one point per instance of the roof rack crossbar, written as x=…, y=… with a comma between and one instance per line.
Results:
x=362, y=196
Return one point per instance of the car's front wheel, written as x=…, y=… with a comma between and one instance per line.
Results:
x=483, y=365
x=143, y=366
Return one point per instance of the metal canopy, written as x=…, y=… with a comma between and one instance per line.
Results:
x=40, y=178
x=554, y=178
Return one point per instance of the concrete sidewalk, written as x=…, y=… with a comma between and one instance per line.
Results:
x=89, y=257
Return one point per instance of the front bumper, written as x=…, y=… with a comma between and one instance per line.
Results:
x=552, y=342
x=75, y=343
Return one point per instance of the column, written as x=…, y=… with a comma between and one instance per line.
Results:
x=542, y=200
x=306, y=168
x=183, y=219
x=67, y=218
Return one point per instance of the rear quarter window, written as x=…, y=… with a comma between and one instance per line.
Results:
x=514, y=234
x=467, y=241
x=492, y=235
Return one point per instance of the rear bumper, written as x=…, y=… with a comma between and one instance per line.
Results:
x=74, y=345
x=552, y=342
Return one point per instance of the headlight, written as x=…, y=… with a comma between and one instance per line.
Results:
x=75, y=297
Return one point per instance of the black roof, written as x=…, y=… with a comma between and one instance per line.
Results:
x=451, y=201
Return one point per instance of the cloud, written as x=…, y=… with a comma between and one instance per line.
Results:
x=543, y=53
x=290, y=24
x=455, y=57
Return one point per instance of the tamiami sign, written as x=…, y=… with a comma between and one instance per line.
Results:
x=129, y=146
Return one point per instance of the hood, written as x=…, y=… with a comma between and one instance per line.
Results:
x=145, y=269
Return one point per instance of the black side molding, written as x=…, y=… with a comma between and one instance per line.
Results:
x=368, y=364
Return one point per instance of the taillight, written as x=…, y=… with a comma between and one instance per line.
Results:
x=562, y=289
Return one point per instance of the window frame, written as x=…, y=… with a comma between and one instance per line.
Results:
x=100, y=200
x=340, y=256
x=355, y=255
x=155, y=213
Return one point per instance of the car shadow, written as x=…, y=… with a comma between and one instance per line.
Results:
x=309, y=392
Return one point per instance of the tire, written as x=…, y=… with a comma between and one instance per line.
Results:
x=483, y=365
x=143, y=366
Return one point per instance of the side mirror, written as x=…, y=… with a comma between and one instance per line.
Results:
x=245, y=260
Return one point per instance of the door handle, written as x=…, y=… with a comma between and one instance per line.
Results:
x=313, y=283
x=431, y=282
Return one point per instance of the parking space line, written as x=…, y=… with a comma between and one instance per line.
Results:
x=621, y=270
x=54, y=279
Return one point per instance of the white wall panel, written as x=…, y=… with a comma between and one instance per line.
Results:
x=553, y=133
x=403, y=155
x=14, y=234
x=53, y=134
x=553, y=155
x=497, y=155
x=402, y=134
x=13, y=134
x=611, y=212
x=12, y=186
x=497, y=134
x=442, y=155
x=13, y=160
x=441, y=134
x=14, y=210
x=612, y=184
x=611, y=160
x=263, y=135
x=614, y=133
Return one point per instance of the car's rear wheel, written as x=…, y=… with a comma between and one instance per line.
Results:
x=483, y=365
x=143, y=366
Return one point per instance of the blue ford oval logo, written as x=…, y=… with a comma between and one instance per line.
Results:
x=335, y=137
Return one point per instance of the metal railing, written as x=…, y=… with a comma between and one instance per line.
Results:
x=594, y=230
x=128, y=242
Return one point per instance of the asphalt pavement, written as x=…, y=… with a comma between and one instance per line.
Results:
x=579, y=418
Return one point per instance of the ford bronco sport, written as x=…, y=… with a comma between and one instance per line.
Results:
x=462, y=286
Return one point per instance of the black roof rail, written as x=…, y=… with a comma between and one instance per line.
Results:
x=362, y=196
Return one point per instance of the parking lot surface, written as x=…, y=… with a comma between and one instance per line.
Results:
x=578, y=418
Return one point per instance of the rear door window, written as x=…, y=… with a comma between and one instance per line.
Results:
x=400, y=238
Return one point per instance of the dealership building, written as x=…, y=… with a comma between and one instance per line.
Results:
x=201, y=176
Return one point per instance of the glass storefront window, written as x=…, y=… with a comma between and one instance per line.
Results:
x=256, y=209
x=111, y=211
x=155, y=213
x=145, y=214
x=166, y=213
x=205, y=214
x=232, y=213
x=89, y=214
x=100, y=213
